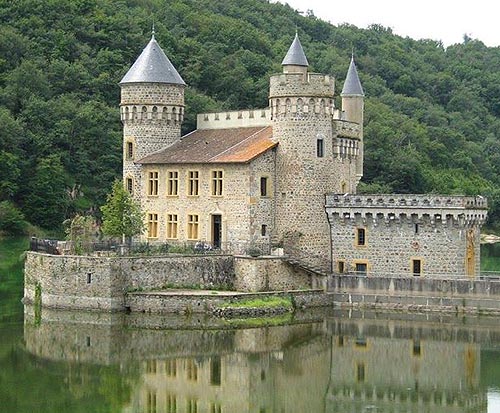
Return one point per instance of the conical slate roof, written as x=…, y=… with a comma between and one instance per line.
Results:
x=153, y=66
x=295, y=55
x=352, y=85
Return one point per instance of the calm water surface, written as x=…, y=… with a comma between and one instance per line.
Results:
x=322, y=362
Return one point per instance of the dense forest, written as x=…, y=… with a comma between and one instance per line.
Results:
x=432, y=112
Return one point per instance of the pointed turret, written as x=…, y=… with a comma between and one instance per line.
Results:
x=152, y=110
x=295, y=60
x=352, y=85
x=353, y=106
x=153, y=66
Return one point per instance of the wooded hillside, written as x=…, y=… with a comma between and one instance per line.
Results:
x=432, y=113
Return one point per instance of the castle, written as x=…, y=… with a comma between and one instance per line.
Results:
x=282, y=178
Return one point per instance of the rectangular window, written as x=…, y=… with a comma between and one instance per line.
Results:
x=171, y=402
x=153, y=183
x=360, y=237
x=172, y=226
x=263, y=230
x=152, y=225
x=361, y=268
x=130, y=186
x=217, y=183
x=263, y=186
x=341, y=266
x=193, y=183
x=172, y=183
x=130, y=150
x=415, y=227
x=416, y=267
x=193, y=227
x=320, y=148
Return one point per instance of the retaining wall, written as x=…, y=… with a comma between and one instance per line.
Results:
x=415, y=293
x=101, y=283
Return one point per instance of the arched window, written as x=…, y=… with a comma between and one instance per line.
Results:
x=300, y=106
x=312, y=103
x=288, y=105
x=155, y=113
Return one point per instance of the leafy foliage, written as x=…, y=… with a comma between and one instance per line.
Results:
x=432, y=113
x=121, y=215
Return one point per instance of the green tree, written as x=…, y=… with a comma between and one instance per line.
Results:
x=121, y=216
x=81, y=230
x=47, y=199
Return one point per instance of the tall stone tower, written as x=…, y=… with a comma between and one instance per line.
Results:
x=311, y=159
x=151, y=108
x=353, y=105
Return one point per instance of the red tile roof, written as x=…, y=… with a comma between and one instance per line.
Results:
x=234, y=145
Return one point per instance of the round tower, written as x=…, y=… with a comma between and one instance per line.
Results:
x=302, y=111
x=151, y=109
x=353, y=105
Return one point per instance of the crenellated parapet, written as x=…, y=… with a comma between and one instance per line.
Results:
x=301, y=94
x=234, y=119
x=446, y=210
x=346, y=129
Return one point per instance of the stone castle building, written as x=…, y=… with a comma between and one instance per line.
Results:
x=282, y=177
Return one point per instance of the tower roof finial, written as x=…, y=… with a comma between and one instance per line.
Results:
x=153, y=29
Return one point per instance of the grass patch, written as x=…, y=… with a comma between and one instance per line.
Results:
x=264, y=302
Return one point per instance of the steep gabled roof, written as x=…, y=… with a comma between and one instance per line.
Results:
x=152, y=66
x=295, y=55
x=352, y=85
x=233, y=145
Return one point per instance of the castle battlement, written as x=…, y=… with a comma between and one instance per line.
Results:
x=299, y=84
x=460, y=210
x=346, y=129
x=234, y=119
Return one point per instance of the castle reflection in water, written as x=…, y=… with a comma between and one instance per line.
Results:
x=319, y=364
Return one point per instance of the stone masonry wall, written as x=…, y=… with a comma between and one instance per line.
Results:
x=268, y=274
x=243, y=211
x=100, y=283
x=152, y=115
x=441, y=231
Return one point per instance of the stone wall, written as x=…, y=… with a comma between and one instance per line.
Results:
x=441, y=232
x=100, y=283
x=416, y=293
x=242, y=208
x=234, y=119
x=268, y=274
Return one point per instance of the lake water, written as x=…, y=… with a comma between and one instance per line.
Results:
x=324, y=361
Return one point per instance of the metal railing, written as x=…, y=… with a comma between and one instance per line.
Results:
x=113, y=247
